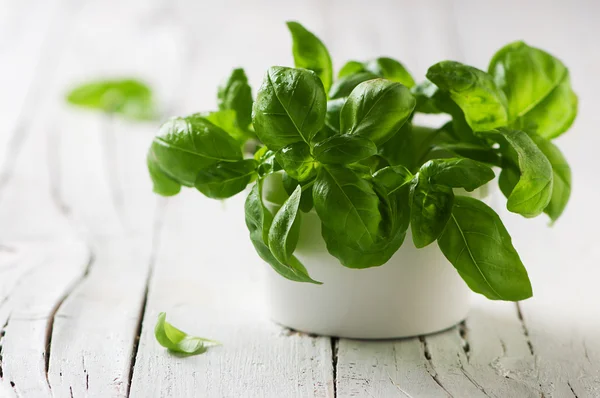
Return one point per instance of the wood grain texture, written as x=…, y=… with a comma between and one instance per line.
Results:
x=88, y=255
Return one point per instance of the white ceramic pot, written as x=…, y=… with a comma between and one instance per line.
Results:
x=416, y=292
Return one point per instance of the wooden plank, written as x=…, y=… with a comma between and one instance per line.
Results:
x=100, y=177
x=28, y=313
x=215, y=292
x=207, y=276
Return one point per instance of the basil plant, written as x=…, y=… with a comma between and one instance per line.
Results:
x=348, y=149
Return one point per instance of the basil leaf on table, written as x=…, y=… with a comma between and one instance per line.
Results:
x=290, y=107
x=344, y=86
x=310, y=53
x=186, y=145
x=225, y=179
x=430, y=210
x=533, y=192
x=297, y=161
x=458, y=173
x=128, y=97
x=376, y=110
x=476, y=242
x=235, y=94
x=344, y=149
x=474, y=91
x=537, y=87
x=284, y=231
x=258, y=221
x=178, y=341
x=348, y=206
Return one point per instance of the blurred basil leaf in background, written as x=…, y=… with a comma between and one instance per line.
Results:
x=129, y=98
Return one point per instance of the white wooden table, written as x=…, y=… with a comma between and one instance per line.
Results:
x=89, y=256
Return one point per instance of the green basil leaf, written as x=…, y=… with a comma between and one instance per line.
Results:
x=290, y=107
x=398, y=214
x=162, y=183
x=474, y=91
x=306, y=200
x=476, y=242
x=408, y=146
x=390, y=69
x=258, y=221
x=347, y=205
x=186, y=145
x=225, y=179
x=458, y=173
x=533, y=192
x=344, y=86
x=128, y=97
x=478, y=152
x=283, y=234
x=310, y=53
x=561, y=177
x=425, y=95
x=177, y=341
x=351, y=68
x=537, y=87
x=227, y=120
x=508, y=179
x=297, y=161
x=376, y=110
x=430, y=210
x=344, y=149
x=267, y=164
x=392, y=178
x=235, y=94
x=334, y=109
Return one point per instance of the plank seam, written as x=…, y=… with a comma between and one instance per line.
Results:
x=430, y=368
x=52, y=316
x=157, y=226
x=2, y=334
x=335, y=346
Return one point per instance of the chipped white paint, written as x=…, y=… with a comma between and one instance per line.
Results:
x=72, y=184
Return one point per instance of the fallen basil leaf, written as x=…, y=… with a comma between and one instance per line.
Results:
x=128, y=97
x=177, y=341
